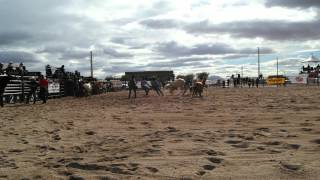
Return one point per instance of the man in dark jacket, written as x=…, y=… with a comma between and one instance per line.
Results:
x=33, y=89
x=4, y=80
x=132, y=87
x=156, y=85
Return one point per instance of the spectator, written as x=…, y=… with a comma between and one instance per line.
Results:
x=234, y=82
x=43, y=83
x=9, y=68
x=4, y=80
x=257, y=82
x=1, y=69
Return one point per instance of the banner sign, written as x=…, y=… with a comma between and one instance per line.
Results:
x=54, y=87
x=276, y=81
x=299, y=79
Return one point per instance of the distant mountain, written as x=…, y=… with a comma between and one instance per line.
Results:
x=215, y=78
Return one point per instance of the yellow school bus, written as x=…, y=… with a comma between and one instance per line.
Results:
x=276, y=80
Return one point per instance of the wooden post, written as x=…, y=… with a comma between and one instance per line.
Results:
x=22, y=85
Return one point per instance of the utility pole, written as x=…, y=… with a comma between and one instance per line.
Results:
x=277, y=71
x=277, y=67
x=258, y=62
x=91, y=67
x=241, y=71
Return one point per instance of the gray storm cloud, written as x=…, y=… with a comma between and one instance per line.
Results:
x=161, y=23
x=270, y=30
x=116, y=54
x=38, y=32
x=276, y=30
x=18, y=57
x=293, y=3
x=173, y=49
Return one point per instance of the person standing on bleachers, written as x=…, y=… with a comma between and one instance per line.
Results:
x=9, y=68
x=1, y=69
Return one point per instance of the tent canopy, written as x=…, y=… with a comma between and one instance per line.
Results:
x=311, y=59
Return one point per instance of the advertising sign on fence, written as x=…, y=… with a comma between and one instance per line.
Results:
x=54, y=87
x=276, y=81
x=299, y=79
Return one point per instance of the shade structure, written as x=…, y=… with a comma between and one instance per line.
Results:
x=311, y=59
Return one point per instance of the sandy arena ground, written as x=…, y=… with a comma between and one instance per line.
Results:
x=267, y=133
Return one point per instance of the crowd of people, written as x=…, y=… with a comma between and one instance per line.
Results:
x=310, y=69
x=238, y=81
x=10, y=69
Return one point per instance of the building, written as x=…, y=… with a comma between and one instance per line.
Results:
x=161, y=75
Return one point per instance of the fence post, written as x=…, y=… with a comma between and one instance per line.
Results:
x=22, y=86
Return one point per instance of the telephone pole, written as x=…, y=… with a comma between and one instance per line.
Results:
x=91, y=67
x=258, y=62
x=241, y=71
x=277, y=67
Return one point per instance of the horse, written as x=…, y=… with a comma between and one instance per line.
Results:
x=197, y=88
x=175, y=85
x=87, y=89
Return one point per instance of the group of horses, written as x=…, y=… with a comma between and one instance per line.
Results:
x=195, y=87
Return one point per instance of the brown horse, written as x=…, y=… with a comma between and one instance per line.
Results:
x=198, y=88
x=175, y=85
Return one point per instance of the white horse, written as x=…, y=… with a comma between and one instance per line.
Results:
x=87, y=87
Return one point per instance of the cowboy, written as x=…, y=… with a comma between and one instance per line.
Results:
x=156, y=86
x=145, y=86
x=33, y=89
x=132, y=87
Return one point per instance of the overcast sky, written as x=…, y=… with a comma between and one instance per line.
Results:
x=216, y=36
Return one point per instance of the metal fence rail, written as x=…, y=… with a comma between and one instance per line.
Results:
x=18, y=89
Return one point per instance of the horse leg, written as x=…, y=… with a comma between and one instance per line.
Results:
x=184, y=91
x=171, y=91
x=129, y=94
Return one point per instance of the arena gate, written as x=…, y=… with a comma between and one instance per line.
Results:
x=18, y=88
